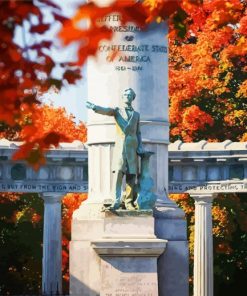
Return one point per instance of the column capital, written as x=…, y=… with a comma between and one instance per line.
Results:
x=203, y=198
x=52, y=197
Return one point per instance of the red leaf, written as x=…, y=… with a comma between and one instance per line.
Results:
x=53, y=138
x=31, y=99
x=14, y=54
x=72, y=75
x=59, y=17
x=42, y=44
x=40, y=29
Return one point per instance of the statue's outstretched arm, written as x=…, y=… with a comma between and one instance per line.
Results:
x=101, y=110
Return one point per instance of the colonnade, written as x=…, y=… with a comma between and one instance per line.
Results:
x=52, y=245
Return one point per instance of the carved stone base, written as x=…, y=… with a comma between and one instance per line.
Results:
x=114, y=253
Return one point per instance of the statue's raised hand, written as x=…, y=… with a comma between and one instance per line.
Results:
x=90, y=105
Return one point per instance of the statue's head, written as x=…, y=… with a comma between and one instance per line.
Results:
x=128, y=95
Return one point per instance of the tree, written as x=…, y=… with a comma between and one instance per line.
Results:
x=207, y=86
x=21, y=215
x=26, y=71
x=21, y=243
x=50, y=124
x=207, y=79
x=207, y=71
x=70, y=202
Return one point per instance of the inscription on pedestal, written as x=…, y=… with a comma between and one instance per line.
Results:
x=125, y=277
x=129, y=50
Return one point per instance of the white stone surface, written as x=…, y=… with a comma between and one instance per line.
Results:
x=52, y=245
x=75, y=145
x=66, y=173
x=173, y=268
x=106, y=82
x=207, y=168
x=135, y=247
x=203, y=246
x=129, y=266
x=189, y=173
x=111, y=259
x=207, y=146
x=213, y=172
x=120, y=227
x=173, y=265
x=63, y=172
x=43, y=174
x=84, y=269
x=129, y=276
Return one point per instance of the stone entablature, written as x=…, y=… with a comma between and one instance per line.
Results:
x=205, y=167
x=200, y=167
x=65, y=170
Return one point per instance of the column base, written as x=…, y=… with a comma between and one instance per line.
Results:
x=114, y=253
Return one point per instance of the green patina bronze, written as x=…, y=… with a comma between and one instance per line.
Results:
x=128, y=146
x=145, y=197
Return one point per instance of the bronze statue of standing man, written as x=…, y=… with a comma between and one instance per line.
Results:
x=128, y=146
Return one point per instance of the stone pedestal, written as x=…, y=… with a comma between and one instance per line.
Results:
x=203, y=246
x=52, y=245
x=141, y=64
x=114, y=253
x=106, y=81
x=173, y=264
x=147, y=75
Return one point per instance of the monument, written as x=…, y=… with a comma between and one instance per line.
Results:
x=132, y=248
x=128, y=145
x=202, y=169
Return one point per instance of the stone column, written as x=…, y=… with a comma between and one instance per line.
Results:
x=203, y=248
x=52, y=245
x=141, y=63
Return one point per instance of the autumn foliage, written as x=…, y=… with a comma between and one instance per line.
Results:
x=207, y=89
x=208, y=73
x=26, y=73
x=71, y=202
x=45, y=127
x=27, y=67
x=22, y=214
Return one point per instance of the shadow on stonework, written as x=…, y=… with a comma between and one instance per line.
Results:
x=132, y=265
x=176, y=254
x=78, y=288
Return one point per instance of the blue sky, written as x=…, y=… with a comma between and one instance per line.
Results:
x=72, y=97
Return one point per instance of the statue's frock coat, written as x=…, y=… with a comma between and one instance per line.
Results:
x=127, y=140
